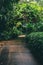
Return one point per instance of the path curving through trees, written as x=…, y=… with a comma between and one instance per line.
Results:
x=14, y=54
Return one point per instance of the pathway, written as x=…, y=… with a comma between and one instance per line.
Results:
x=18, y=55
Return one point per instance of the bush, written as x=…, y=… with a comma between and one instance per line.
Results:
x=29, y=12
x=29, y=28
x=11, y=34
x=32, y=27
x=39, y=26
x=35, y=44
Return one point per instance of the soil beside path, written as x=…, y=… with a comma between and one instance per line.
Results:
x=18, y=54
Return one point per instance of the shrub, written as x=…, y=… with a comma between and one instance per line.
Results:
x=29, y=12
x=32, y=27
x=5, y=35
x=29, y=28
x=15, y=32
x=11, y=34
x=39, y=26
x=35, y=44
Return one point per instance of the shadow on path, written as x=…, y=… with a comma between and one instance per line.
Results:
x=14, y=53
x=4, y=56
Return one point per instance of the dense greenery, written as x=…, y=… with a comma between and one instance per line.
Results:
x=23, y=18
x=19, y=18
x=30, y=16
x=6, y=18
x=29, y=12
x=35, y=44
x=40, y=2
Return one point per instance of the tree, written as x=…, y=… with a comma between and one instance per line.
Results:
x=6, y=14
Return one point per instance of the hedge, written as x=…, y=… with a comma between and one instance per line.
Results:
x=35, y=44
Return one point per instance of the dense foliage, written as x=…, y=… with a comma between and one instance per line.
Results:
x=21, y=18
x=30, y=16
x=29, y=12
x=40, y=2
x=6, y=18
x=35, y=44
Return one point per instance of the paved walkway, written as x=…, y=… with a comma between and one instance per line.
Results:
x=17, y=55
